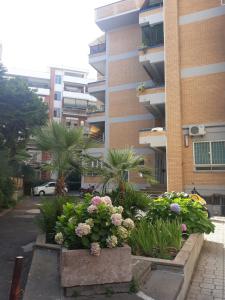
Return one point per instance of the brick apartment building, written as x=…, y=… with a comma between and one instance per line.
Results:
x=161, y=67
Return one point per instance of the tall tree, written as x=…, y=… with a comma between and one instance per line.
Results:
x=21, y=111
x=67, y=148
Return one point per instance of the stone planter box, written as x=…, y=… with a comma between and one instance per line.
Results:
x=79, y=267
x=182, y=267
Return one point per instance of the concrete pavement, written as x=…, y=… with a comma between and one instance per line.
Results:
x=17, y=234
x=208, y=282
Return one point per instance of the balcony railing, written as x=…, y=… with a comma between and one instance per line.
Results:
x=99, y=138
x=152, y=36
x=152, y=4
x=96, y=109
x=97, y=48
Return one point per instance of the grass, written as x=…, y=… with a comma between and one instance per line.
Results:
x=163, y=239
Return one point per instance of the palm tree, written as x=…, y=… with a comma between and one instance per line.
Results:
x=118, y=163
x=66, y=147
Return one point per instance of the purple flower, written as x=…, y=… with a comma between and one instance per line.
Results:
x=175, y=208
x=184, y=227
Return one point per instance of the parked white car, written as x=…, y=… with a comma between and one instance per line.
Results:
x=46, y=189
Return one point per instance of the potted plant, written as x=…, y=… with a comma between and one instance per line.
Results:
x=93, y=236
x=141, y=88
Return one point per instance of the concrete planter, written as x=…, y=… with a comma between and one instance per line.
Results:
x=80, y=268
x=182, y=267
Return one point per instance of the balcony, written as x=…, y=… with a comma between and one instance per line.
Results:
x=80, y=96
x=151, y=13
x=76, y=80
x=97, y=133
x=153, y=99
x=41, y=91
x=97, y=86
x=154, y=137
x=97, y=56
x=120, y=13
x=151, y=53
x=96, y=109
x=151, y=4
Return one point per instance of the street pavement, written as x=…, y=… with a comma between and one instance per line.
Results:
x=208, y=282
x=17, y=235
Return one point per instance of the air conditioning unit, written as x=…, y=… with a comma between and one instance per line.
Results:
x=222, y=2
x=197, y=130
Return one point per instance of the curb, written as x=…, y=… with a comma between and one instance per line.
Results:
x=6, y=211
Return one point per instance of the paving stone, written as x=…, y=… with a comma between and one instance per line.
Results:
x=208, y=281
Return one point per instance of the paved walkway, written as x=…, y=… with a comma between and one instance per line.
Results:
x=17, y=234
x=208, y=282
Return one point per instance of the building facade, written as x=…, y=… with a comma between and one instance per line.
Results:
x=163, y=89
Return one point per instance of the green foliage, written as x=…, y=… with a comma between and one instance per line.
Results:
x=6, y=192
x=120, y=161
x=50, y=210
x=192, y=213
x=21, y=110
x=134, y=202
x=67, y=148
x=134, y=286
x=163, y=239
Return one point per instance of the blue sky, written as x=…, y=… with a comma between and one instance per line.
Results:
x=39, y=33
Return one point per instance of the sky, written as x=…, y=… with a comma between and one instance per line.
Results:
x=36, y=34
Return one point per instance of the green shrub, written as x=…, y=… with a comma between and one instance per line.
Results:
x=93, y=224
x=190, y=212
x=6, y=192
x=50, y=210
x=134, y=202
x=163, y=239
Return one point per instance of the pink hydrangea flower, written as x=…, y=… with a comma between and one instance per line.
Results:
x=82, y=229
x=95, y=249
x=96, y=200
x=106, y=200
x=116, y=219
x=112, y=241
x=92, y=208
x=128, y=223
x=184, y=227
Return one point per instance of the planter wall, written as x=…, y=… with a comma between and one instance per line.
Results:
x=79, y=267
x=183, y=264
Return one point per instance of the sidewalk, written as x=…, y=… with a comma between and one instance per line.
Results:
x=208, y=282
x=17, y=233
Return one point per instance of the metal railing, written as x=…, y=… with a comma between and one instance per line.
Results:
x=96, y=109
x=97, y=48
x=152, y=4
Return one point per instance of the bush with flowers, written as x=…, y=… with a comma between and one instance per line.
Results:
x=93, y=224
x=182, y=207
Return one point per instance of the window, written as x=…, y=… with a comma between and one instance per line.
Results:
x=58, y=96
x=52, y=184
x=209, y=155
x=95, y=167
x=58, y=79
x=57, y=113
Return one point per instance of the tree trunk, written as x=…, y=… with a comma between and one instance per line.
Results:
x=60, y=186
x=122, y=190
